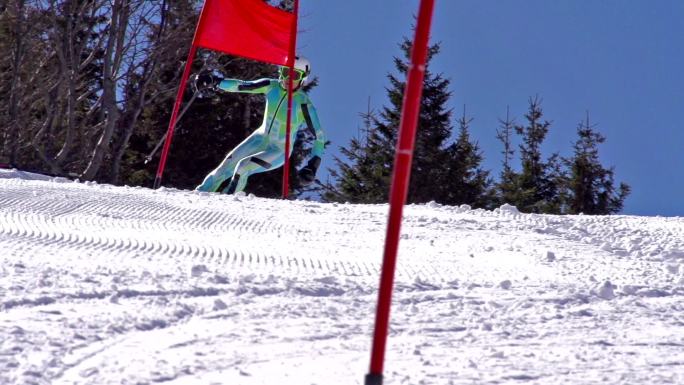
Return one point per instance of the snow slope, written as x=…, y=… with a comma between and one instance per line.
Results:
x=120, y=285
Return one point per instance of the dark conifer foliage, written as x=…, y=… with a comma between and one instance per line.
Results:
x=366, y=178
x=537, y=185
x=590, y=186
x=441, y=172
x=507, y=186
x=465, y=181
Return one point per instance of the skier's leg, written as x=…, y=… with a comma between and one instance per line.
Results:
x=263, y=161
x=221, y=175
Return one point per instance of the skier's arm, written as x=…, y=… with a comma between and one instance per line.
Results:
x=308, y=173
x=260, y=86
x=311, y=118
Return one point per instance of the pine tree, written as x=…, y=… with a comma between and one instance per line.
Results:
x=539, y=181
x=432, y=156
x=590, y=186
x=507, y=187
x=467, y=182
x=365, y=177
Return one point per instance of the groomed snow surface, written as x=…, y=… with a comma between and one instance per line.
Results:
x=119, y=285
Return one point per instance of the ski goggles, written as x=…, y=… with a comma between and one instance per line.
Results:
x=284, y=73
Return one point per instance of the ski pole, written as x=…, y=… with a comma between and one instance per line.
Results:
x=163, y=138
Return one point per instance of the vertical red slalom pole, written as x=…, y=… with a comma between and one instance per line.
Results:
x=400, y=179
x=290, y=84
x=174, y=116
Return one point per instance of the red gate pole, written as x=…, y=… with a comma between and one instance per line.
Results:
x=174, y=115
x=288, y=129
x=400, y=179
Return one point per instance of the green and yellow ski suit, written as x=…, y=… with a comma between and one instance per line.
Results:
x=263, y=150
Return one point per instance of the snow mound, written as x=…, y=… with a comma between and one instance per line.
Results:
x=508, y=209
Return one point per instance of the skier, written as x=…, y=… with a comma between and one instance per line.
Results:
x=264, y=149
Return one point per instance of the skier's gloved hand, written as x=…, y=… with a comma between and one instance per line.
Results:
x=205, y=80
x=308, y=173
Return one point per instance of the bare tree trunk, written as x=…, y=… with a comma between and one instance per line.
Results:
x=138, y=104
x=69, y=63
x=112, y=60
x=12, y=140
x=68, y=30
x=123, y=145
x=121, y=151
x=52, y=105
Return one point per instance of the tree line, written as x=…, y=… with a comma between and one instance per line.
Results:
x=88, y=86
x=450, y=171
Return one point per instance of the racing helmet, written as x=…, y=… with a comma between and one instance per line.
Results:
x=302, y=68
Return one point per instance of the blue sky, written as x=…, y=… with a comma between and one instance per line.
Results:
x=622, y=60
